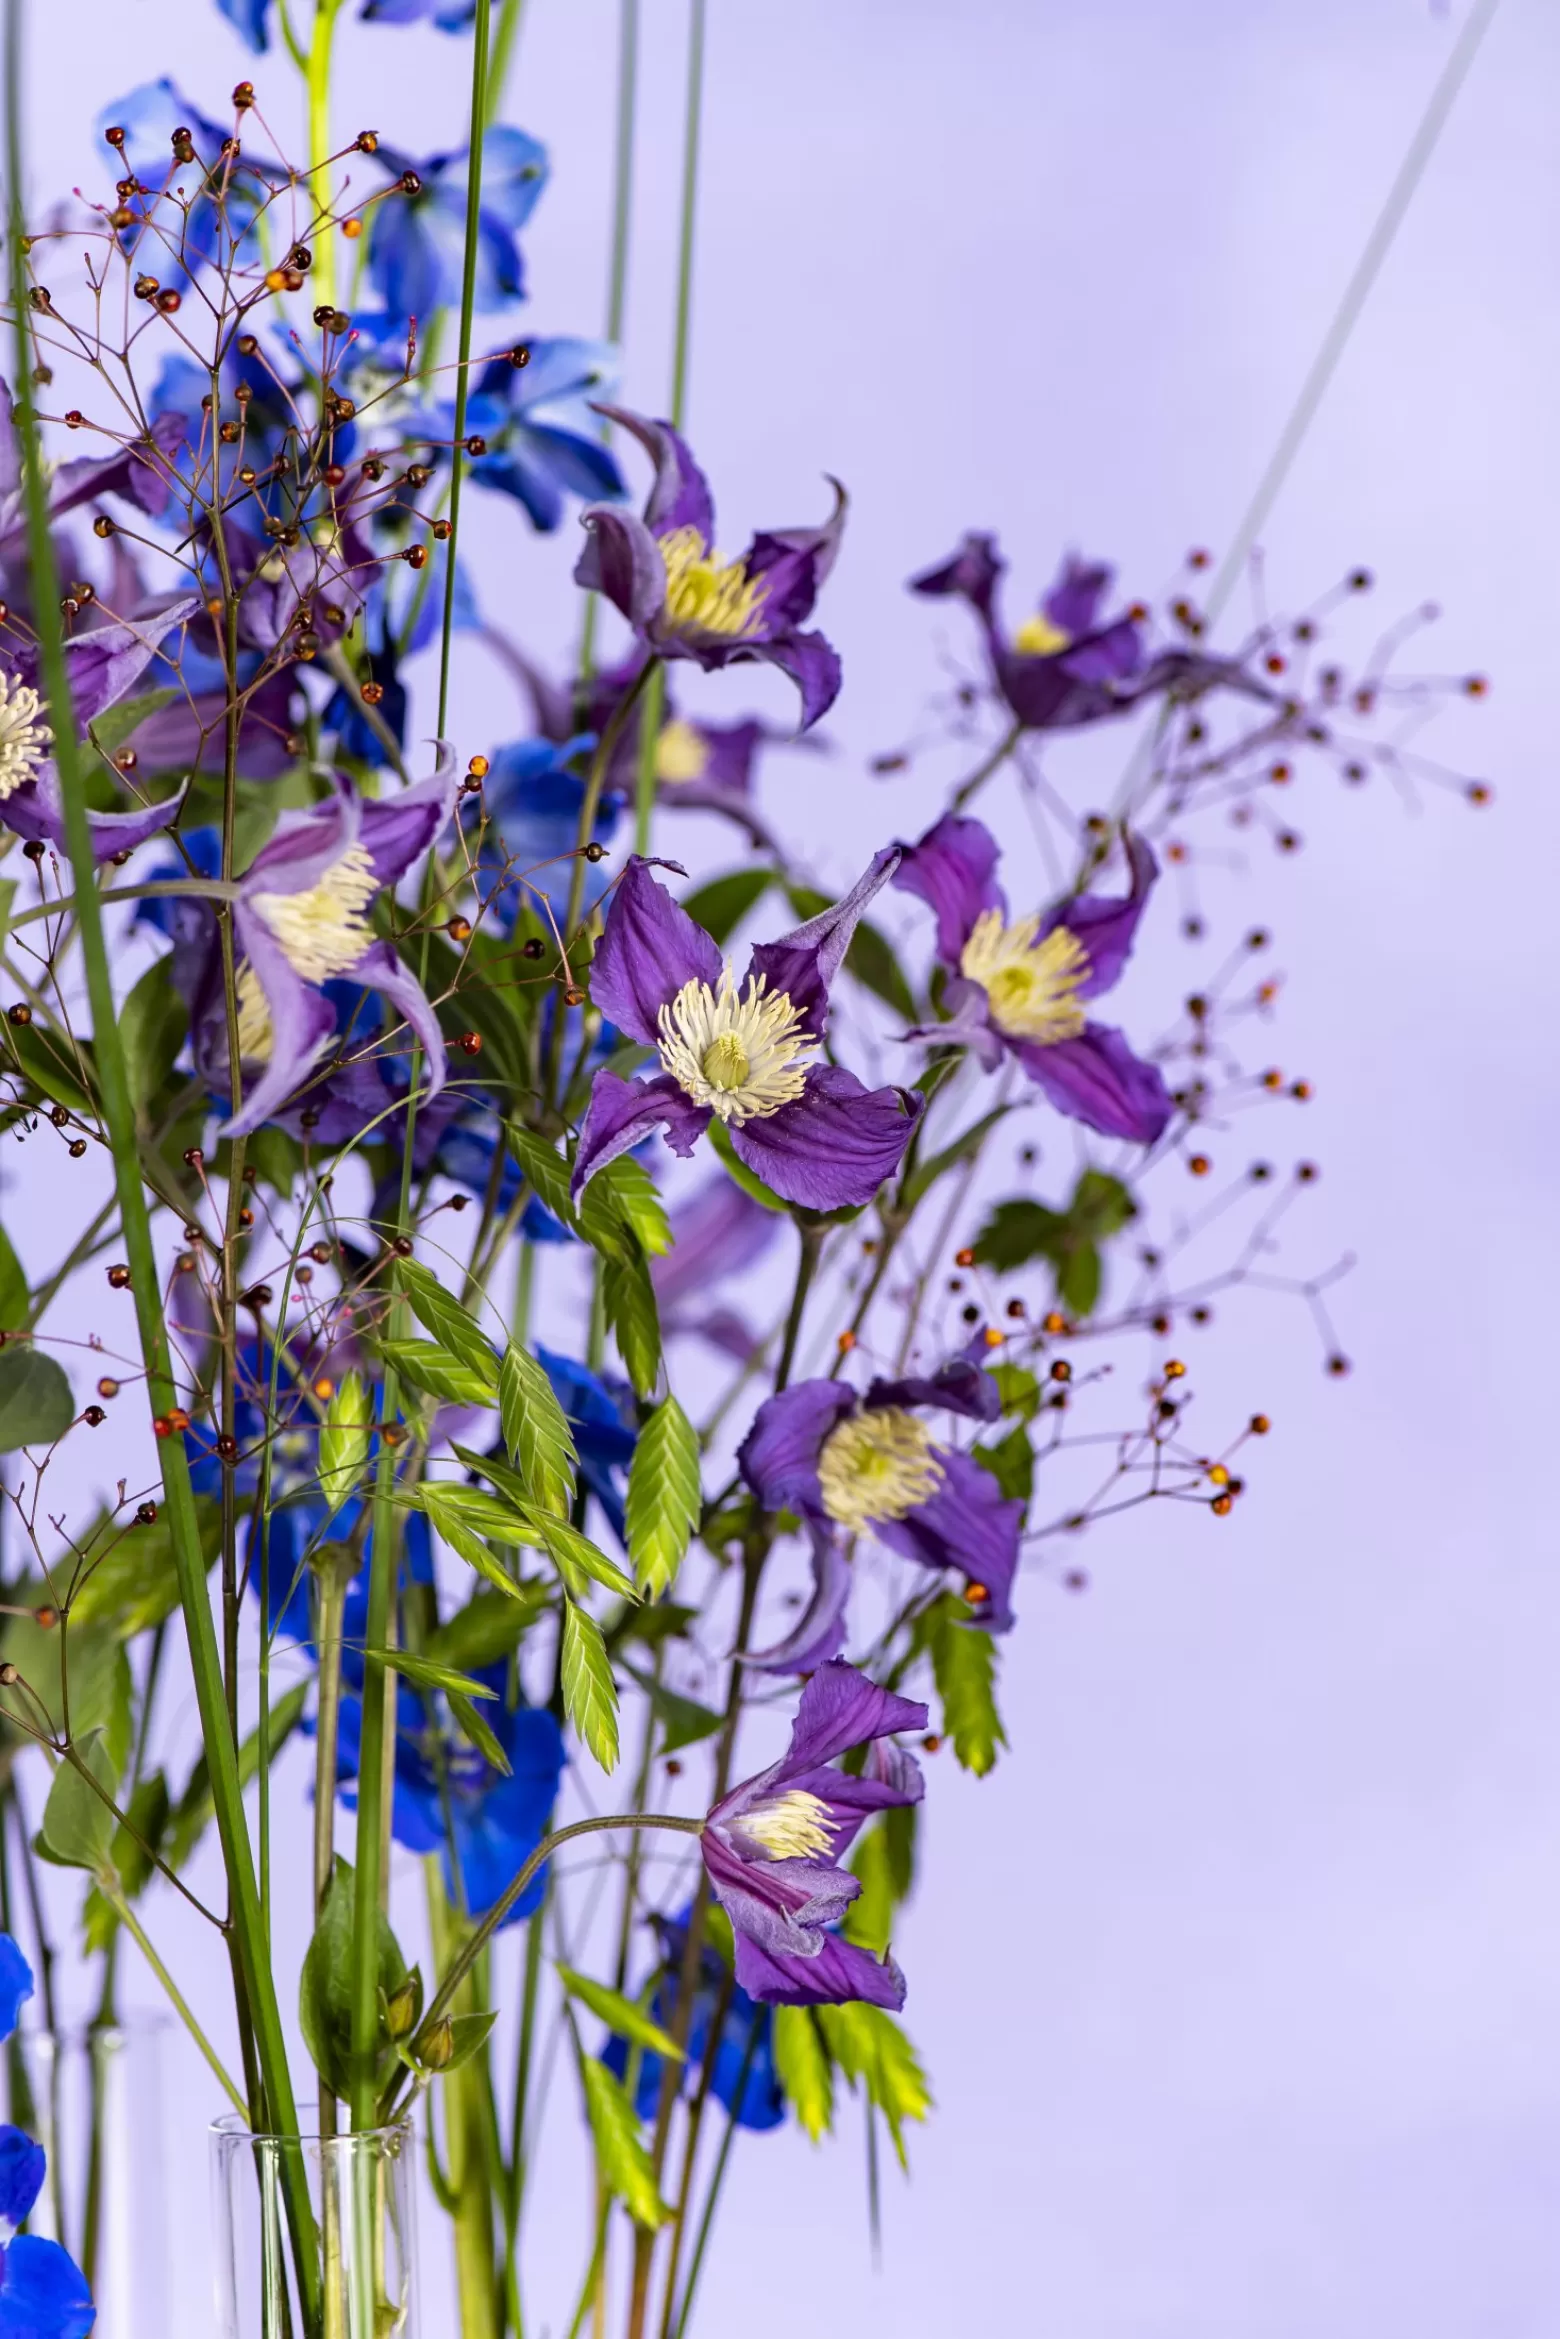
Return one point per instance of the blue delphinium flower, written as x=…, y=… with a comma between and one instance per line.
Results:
x=450, y=1799
x=417, y=239
x=531, y=801
x=43, y=2292
x=530, y=406
x=150, y=117
x=251, y=20
x=744, y=2058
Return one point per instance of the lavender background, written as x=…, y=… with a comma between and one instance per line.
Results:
x=1236, y=1982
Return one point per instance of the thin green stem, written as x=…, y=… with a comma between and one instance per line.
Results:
x=504, y=39
x=132, y=1925
x=317, y=82
x=984, y=770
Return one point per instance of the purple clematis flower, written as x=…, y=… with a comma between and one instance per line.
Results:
x=663, y=573
x=810, y=1130
x=1019, y=987
x=1063, y=667
x=101, y=666
x=855, y=1465
x=300, y=921
x=772, y=1847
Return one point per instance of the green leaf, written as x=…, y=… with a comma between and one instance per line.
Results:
x=469, y=2033
x=440, y=1372
x=629, y=1300
x=109, y=730
x=1079, y=1273
x=869, y=1921
x=489, y=1628
x=325, y=1987
x=664, y=1497
x=90, y=1657
x=869, y=2046
x=590, y=1696
x=1070, y=1239
x=78, y=1826
x=440, y=1312
x=1011, y=1462
x=1019, y=1389
x=684, y=1722
x=622, y=2162
x=135, y=1584
x=802, y=2067
x=36, y=1405
x=621, y=2015
x=721, y=904
x=62, y=1071
x=345, y=1435
x=546, y=1171
x=536, y=1431
x=7, y=904
x=479, y=1733
x=152, y=1025
x=1017, y=1232
x=427, y=1672
x=147, y=1820
x=964, y=1666
x=14, y=1294
x=577, y=1559
x=461, y=1523
x=926, y=1173
x=193, y=1811
x=631, y=1190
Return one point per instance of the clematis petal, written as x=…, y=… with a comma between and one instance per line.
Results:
x=37, y=812
x=805, y=962
x=794, y=563
x=810, y=660
x=1073, y=601
x=953, y=869
x=1107, y=925
x=680, y=497
x=833, y=1147
x=840, y=1708
x=971, y=575
x=622, y=1113
x=968, y=1525
x=819, y=1632
x=623, y=560
x=959, y=1386
x=381, y=969
x=720, y=1230
x=649, y=949
x=1113, y=654
x=303, y=1022
x=840, y=1972
x=779, y=1456
x=1098, y=1080
x=397, y=830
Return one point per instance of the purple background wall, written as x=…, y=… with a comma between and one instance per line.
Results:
x=1237, y=1981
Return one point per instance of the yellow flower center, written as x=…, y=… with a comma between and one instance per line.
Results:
x=793, y=1826
x=704, y=593
x=744, y=1056
x=1029, y=984
x=878, y=1465
x=680, y=753
x=24, y=741
x=255, y=1036
x=325, y=930
x=1037, y=637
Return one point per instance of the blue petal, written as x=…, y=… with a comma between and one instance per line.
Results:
x=43, y=2292
x=22, y=2170
x=16, y=1983
x=514, y=172
x=248, y=17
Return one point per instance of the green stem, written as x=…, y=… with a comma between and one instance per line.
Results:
x=983, y=771
x=317, y=79
x=509, y=16
x=127, y=1917
x=119, y=1113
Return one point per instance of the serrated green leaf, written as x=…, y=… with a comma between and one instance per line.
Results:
x=590, y=1696
x=631, y=1190
x=545, y=1170
x=36, y=1405
x=869, y=1921
x=664, y=1497
x=802, y=2067
x=577, y=1559
x=622, y=2162
x=78, y=1826
x=193, y=1811
x=426, y=1672
x=629, y=1301
x=440, y=1372
x=440, y=1312
x=152, y=1025
x=621, y=2015
x=480, y=1734
x=868, y=2045
x=345, y=1435
x=14, y=1294
x=964, y=1666
x=721, y=903
x=458, y=1520
x=536, y=1431
x=489, y=1628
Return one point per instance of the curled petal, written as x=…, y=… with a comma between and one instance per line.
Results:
x=833, y=1147
x=1107, y=925
x=623, y=1112
x=971, y=575
x=1097, y=1079
x=812, y=663
x=805, y=962
x=380, y=969
x=623, y=560
x=819, y=1632
x=303, y=1022
x=840, y=1971
x=37, y=812
x=959, y=1386
x=1073, y=601
x=649, y=949
x=953, y=869
x=794, y=563
x=397, y=830
x=841, y=1708
x=680, y=497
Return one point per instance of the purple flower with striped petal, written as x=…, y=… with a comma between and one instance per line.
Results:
x=747, y=1057
x=663, y=574
x=1018, y=987
x=853, y=1465
x=772, y=1847
x=301, y=920
x=100, y=667
x=1064, y=667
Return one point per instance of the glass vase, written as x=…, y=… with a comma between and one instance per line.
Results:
x=93, y=2098
x=359, y=2262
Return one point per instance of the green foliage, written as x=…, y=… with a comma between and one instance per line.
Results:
x=622, y=2162
x=1011, y=1462
x=138, y=1837
x=463, y=1516
x=427, y=1672
x=545, y=1171
x=883, y=1862
x=36, y=1405
x=152, y=1025
x=871, y=2049
x=1068, y=1240
x=536, y=1431
x=14, y=1294
x=720, y=905
x=627, y=1188
x=479, y=1733
x=622, y=2015
x=749, y=1180
x=88, y=1658
x=629, y=1300
x=345, y=1435
x=325, y=1988
x=133, y=1583
x=664, y=1497
x=919, y=1182
x=590, y=1696
x=489, y=1628
x=964, y=1667
x=78, y=1824
x=109, y=730
x=439, y=1373
x=192, y=1813
x=1018, y=1389
x=804, y=2069
x=684, y=1721
x=452, y=1326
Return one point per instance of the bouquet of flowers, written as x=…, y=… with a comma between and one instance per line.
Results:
x=448, y=1138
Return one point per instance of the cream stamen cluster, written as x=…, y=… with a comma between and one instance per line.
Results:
x=24, y=741
x=792, y=1826
x=324, y=930
x=878, y=1464
x=1030, y=985
x=743, y=1055
x=706, y=594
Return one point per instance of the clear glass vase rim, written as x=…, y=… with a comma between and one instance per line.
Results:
x=233, y=2128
